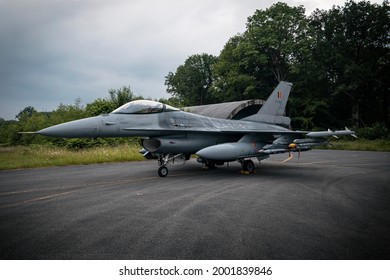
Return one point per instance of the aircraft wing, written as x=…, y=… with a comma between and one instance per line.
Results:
x=262, y=144
x=263, y=136
x=310, y=139
x=278, y=138
x=207, y=130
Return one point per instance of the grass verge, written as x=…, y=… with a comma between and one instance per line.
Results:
x=44, y=156
x=359, y=145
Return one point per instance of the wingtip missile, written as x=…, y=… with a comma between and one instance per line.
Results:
x=330, y=133
x=345, y=132
x=352, y=132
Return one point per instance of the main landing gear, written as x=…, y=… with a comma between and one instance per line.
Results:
x=247, y=166
x=167, y=159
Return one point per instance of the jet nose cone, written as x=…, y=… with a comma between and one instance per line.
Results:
x=81, y=128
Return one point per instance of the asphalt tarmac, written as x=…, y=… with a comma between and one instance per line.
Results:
x=326, y=205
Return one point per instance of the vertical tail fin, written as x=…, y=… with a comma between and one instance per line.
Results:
x=276, y=102
x=272, y=111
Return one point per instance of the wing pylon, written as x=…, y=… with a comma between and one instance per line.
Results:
x=286, y=143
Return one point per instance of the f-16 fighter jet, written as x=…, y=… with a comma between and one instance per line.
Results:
x=171, y=135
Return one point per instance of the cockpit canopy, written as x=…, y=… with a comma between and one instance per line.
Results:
x=144, y=107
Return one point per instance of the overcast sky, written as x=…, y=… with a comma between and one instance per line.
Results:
x=54, y=51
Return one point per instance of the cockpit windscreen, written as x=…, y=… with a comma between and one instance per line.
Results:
x=143, y=107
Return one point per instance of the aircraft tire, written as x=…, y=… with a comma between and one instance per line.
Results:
x=163, y=171
x=249, y=166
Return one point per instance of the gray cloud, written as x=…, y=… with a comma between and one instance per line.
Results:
x=54, y=51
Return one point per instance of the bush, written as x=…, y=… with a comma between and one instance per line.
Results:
x=86, y=143
x=377, y=131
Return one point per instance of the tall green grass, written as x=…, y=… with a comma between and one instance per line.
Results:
x=359, y=145
x=44, y=156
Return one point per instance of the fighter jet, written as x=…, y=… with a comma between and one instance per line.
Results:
x=171, y=135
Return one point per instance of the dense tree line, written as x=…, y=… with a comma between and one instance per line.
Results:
x=31, y=120
x=338, y=61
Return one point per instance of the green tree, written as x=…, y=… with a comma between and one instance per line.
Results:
x=274, y=47
x=31, y=120
x=99, y=106
x=121, y=96
x=173, y=101
x=116, y=98
x=66, y=113
x=239, y=73
x=191, y=82
x=351, y=56
x=281, y=33
x=26, y=112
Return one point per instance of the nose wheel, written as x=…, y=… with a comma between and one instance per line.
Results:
x=168, y=159
x=163, y=171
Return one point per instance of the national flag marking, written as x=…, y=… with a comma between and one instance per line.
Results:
x=279, y=95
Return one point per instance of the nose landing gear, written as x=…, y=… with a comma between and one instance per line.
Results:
x=166, y=159
x=162, y=171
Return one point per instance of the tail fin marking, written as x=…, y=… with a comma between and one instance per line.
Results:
x=276, y=102
x=272, y=111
